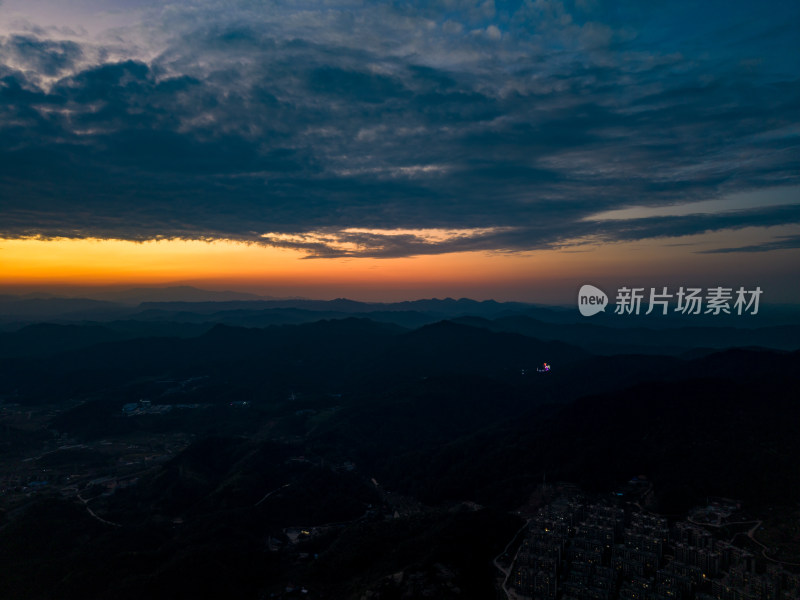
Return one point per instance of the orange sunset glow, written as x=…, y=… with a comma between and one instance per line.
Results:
x=543, y=275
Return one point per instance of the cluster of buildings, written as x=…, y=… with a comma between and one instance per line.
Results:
x=580, y=550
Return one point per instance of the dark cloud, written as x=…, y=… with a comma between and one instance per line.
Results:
x=354, y=86
x=44, y=57
x=296, y=128
x=550, y=233
x=782, y=242
x=676, y=226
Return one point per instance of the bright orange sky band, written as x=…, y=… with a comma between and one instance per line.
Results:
x=547, y=276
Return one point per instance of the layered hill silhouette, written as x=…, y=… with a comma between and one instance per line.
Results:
x=397, y=445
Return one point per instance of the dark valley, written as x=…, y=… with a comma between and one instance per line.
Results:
x=376, y=451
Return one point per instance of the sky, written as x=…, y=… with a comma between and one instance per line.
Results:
x=396, y=150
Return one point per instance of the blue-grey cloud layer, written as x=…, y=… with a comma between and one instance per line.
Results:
x=783, y=242
x=256, y=119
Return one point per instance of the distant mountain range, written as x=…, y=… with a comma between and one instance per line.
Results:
x=29, y=335
x=185, y=311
